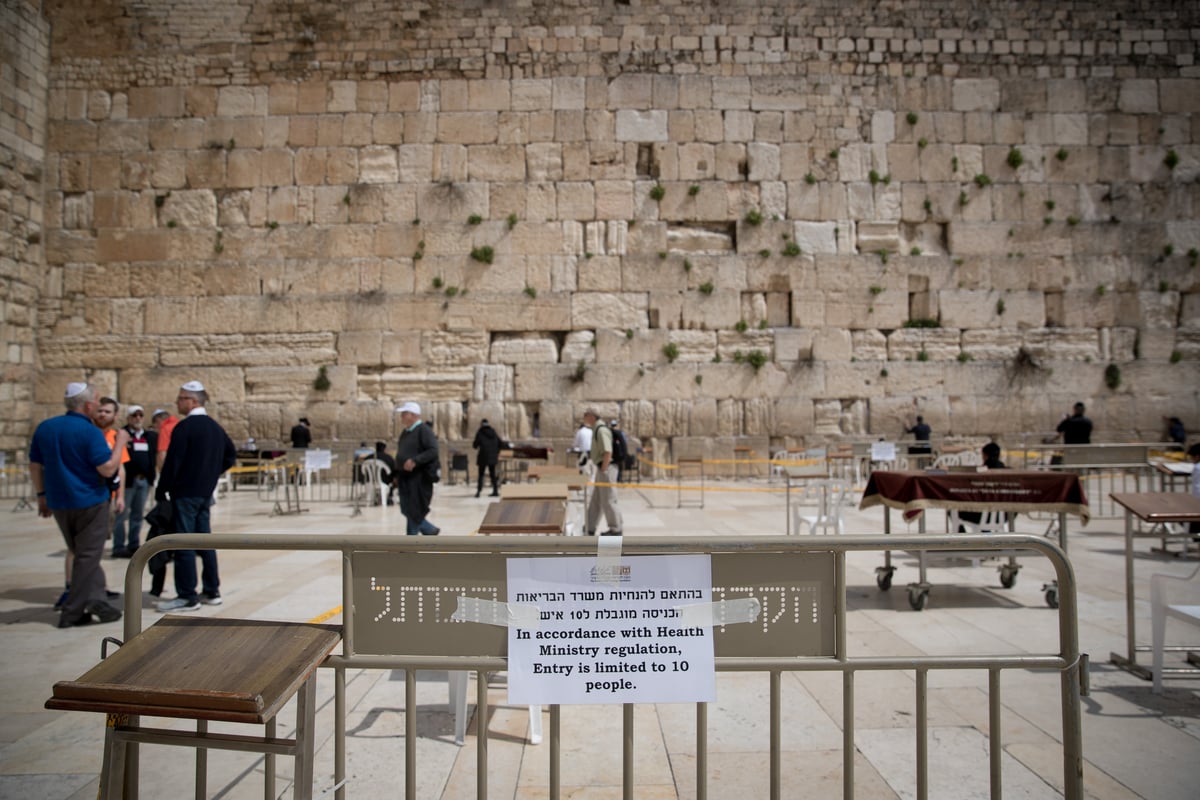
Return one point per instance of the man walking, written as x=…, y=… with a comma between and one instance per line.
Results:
x=604, y=497
x=416, y=470
x=487, y=442
x=140, y=473
x=69, y=466
x=199, y=453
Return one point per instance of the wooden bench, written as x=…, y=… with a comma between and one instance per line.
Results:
x=207, y=669
x=525, y=516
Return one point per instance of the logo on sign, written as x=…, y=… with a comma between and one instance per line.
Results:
x=619, y=573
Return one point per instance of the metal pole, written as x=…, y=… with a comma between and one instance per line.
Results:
x=922, y=734
x=776, y=735
x=627, y=751
x=701, y=751
x=410, y=733
x=481, y=734
x=555, y=752
x=995, y=746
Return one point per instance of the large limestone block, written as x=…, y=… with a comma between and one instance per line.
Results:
x=991, y=344
x=159, y=386
x=832, y=344
x=937, y=344
x=377, y=164
x=670, y=421
x=1158, y=310
x=1179, y=95
x=496, y=163
x=493, y=382
x=856, y=310
x=618, y=347
x=794, y=413
x=190, y=208
x=591, y=310
x=579, y=346
x=731, y=343
x=1063, y=344
x=444, y=386
x=721, y=309
x=691, y=346
x=455, y=202
x=248, y=350
x=641, y=126
x=1000, y=309
x=98, y=352
x=401, y=348
x=485, y=311
x=815, y=237
x=451, y=349
x=794, y=344
x=524, y=350
x=467, y=127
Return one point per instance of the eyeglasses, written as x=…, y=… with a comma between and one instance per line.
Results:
x=136, y=414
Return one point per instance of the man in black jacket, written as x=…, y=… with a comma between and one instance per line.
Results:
x=416, y=470
x=487, y=442
x=140, y=473
x=200, y=451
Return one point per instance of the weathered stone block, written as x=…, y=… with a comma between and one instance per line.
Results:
x=524, y=350
x=590, y=310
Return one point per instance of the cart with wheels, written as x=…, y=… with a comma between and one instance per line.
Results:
x=1006, y=491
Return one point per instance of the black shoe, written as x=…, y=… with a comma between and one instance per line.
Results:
x=611, y=533
x=494, y=494
x=104, y=612
x=111, y=595
x=62, y=599
x=66, y=622
x=477, y=494
x=436, y=530
x=122, y=553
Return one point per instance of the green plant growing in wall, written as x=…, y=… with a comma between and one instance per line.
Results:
x=693, y=190
x=219, y=244
x=954, y=163
x=964, y=357
x=809, y=178
x=1171, y=159
x=963, y=199
x=706, y=288
x=765, y=252
x=531, y=291
x=1163, y=286
x=451, y=291
x=484, y=254
x=161, y=199
x=1072, y=221
x=438, y=282
x=1168, y=250
x=272, y=224
x=791, y=249
x=756, y=359
x=687, y=265
x=982, y=180
x=876, y=290
x=922, y=143
x=922, y=355
x=171, y=223
x=662, y=255
x=833, y=154
x=671, y=352
x=657, y=192
x=1112, y=376
x=512, y=220
x=911, y=117
x=1050, y=204
x=883, y=255
x=629, y=333
x=1193, y=255
x=1176, y=357
x=762, y=325
x=1000, y=306
x=1014, y=159
x=741, y=326
x=928, y=204
x=322, y=383
x=915, y=251
x=716, y=359
x=1101, y=290
x=873, y=177
x=580, y=371
x=754, y=217
x=474, y=219
x=922, y=322
x=699, y=379
x=1062, y=154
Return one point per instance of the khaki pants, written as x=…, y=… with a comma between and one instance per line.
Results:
x=604, y=498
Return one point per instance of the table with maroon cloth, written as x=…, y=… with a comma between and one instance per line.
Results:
x=1012, y=491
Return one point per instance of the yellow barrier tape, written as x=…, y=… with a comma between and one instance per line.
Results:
x=333, y=612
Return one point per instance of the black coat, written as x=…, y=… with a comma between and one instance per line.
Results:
x=487, y=442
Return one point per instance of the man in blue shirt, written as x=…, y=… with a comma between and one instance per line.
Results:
x=69, y=464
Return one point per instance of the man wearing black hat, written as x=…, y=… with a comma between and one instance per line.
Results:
x=487, y=442
x=301, y=434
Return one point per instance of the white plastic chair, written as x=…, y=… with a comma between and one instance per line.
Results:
x=830, y=496
x=372, y=475
x=947, y=460
x=1171, y=596
x=989, y=522
x=457, y=683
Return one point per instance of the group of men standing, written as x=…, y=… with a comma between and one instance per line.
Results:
x=76, y=464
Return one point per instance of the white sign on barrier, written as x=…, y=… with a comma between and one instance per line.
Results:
x=318, y=459
x=611, y=633
x=883, y=451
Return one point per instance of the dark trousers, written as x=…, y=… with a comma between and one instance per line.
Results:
x=85, y=530
x=491, y=468
x=191, y=516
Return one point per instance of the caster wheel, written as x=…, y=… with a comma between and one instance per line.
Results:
x=1008, y=578
x=884, y=580
x=917, y=600
x=1052, y=598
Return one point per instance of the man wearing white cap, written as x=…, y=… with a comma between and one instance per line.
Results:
x=69, y=465
x=417, y=466
x=140, y=472
x=199, y=453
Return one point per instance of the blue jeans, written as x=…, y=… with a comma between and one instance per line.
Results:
x=136, y=492
x=191, y=516
x=413, y=528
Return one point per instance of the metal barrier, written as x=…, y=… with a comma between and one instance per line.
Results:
x=817, y=565
x=14, y=479
x=314, y=475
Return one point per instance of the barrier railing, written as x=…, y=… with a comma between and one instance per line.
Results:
x=815, y=565
x=14, y=480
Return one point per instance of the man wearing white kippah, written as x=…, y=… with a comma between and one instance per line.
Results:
x=200, y=451
x=69, y=464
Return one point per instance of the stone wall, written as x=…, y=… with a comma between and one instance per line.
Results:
x=713, y=219
x=24, y=62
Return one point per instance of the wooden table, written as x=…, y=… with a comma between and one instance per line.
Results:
x=570, y=476
x=1172, y=473
x=1009, y=490
x=525, y=516
x=535, y=491
x=228, y=670
x=1156, y=508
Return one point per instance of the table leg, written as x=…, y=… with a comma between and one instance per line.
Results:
x=1128, y=662
x=305, y=717
x=201, y=762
